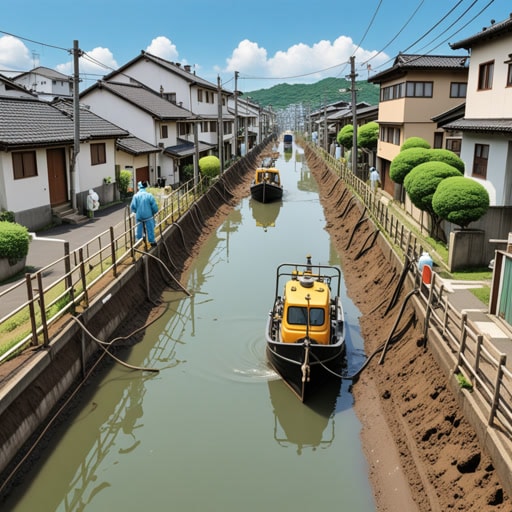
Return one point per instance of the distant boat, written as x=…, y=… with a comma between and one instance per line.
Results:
x=287, y=141
x=305, y=332
x=266, y=186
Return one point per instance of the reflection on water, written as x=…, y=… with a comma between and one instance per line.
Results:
x=265, y=215
x=303, y=426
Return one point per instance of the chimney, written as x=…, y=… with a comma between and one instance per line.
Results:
x=187, y=68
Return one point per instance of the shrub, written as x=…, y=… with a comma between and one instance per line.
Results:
x=14, y=241
x=209, y=166
x=415, y=142
x=125, y=178
x=448, y=157
x=368, y=135
x=405, y=161
x=460, y=200
x=6, y=215
x=345, y=136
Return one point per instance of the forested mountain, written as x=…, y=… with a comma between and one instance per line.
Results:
x=315, y=95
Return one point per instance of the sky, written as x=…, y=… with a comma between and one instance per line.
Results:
x=267, y=42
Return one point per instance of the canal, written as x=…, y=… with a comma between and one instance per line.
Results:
x=215, y=429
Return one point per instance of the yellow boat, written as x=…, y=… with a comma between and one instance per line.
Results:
x=305, y=331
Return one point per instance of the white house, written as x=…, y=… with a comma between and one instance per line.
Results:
x=181, y=86
x=46, y=83
x=486, y=147
x=36, y=144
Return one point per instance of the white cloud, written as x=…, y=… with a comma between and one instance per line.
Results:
x=14, y=55
x=98, y=61
x=163, y=47
x=300, y=62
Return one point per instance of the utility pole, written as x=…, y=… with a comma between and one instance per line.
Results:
x=235, y=126
x=76, y=122
x=221, y=126
x=353, y=76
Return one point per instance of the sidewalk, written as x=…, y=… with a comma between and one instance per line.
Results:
x=47, y=247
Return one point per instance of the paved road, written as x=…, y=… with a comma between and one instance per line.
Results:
x=48, y=246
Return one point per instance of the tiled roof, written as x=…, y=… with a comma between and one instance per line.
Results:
x=487, y=33
x=406, y=62
x=481, y=125
x=92, y=126
x=136, y=146
x=46, y=72
x=29, y=122
x=187, y=149
x=146, y=100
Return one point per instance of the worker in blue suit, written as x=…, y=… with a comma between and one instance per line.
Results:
x=144, y=206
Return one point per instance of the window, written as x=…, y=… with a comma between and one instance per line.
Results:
x=454, y=145
x=458, y=89
x=509, y=76
x=24, y=164
x=299, y=316
x=419, y=89
x=485, y=75
x=390, y=134
x=169, y=96
x=480, y=160
x=98, y=154
x=200, y=95
x=392, y=92
x=438, y=140
x=164, y=131
x=184, y=128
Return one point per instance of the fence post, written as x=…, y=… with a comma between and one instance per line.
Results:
x=46, y=340
x=83, y=277
x=496, y=398
x=30, y=296
x=479, y=342
x=113, y=251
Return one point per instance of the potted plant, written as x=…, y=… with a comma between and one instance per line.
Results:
x=108, y=190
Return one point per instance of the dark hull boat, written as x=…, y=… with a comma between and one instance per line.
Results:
x=305, y=332
x=266, y=186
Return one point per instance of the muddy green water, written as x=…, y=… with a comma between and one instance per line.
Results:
x=215, y=430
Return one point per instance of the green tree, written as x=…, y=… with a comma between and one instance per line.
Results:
x=415, y=142
x=187, y=173
x=209, y=166
x=405, y=161
x=368, y=135
x=345, y=136
x=448, y=157
x=460, y=200
x=421, y=184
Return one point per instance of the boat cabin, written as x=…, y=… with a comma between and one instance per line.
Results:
x=306, y=310
x=267, y=175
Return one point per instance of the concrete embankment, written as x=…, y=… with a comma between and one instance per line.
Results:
x=46, y=377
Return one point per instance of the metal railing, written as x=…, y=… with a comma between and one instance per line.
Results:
x=45, y=296
x=474, y=356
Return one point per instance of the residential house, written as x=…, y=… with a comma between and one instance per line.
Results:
x=180, y=86
x=46, y=83
x=10, y=88
x=36, y=143
x=486, y=126
x=412, y=91
x=152, y=119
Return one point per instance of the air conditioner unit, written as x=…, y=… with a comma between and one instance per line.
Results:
x=161, y=145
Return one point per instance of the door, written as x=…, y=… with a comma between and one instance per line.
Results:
x=141, y=174
x=57, y=180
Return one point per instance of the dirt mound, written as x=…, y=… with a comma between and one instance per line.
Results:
x=416, y=439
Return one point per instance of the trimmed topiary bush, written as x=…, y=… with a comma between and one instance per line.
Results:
x=415, y=142
x=448, y=157
x=14, y=241
x=345, y=136
x=209, y=166
x=368, y=135
x=460, y=200
x=405, y=161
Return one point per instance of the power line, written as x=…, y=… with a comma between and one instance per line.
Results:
x=35, y=42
